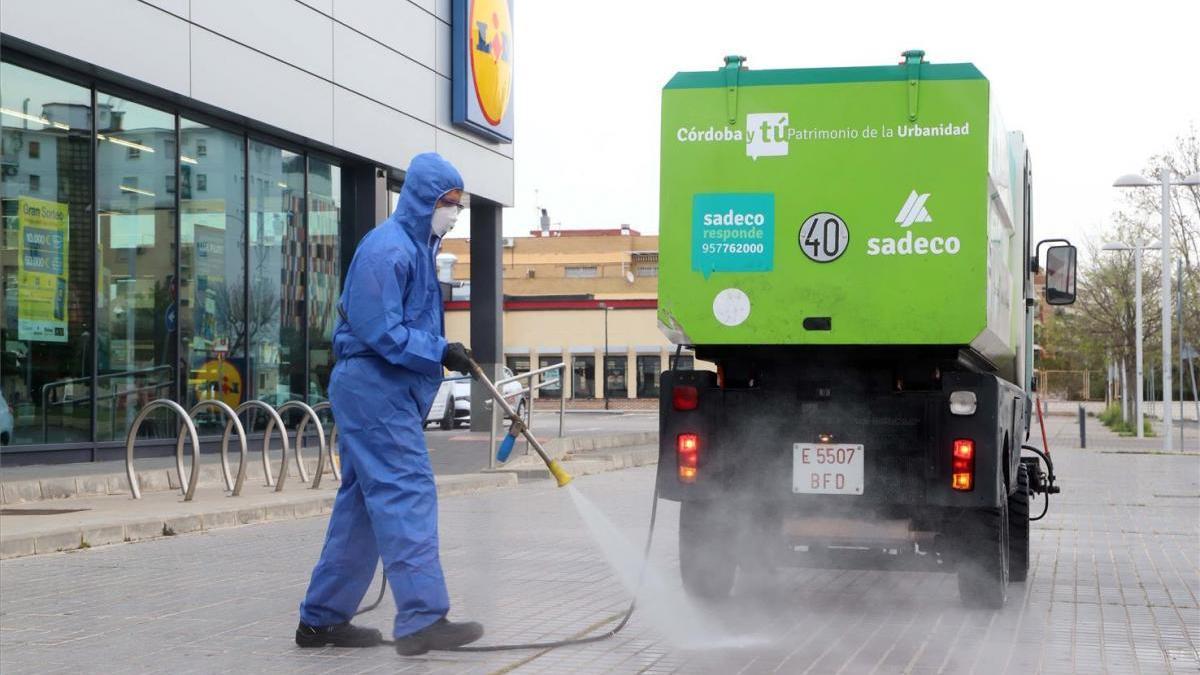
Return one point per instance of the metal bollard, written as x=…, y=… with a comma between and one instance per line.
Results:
x=1082, y=428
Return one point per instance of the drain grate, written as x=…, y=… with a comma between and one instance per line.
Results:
x=38, y=512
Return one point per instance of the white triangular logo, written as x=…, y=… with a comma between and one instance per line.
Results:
x=913, y=210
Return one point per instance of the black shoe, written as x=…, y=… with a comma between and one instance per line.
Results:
x=337, y=635
x=442, y=634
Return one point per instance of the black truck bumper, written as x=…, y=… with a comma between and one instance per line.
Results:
x=747, y=446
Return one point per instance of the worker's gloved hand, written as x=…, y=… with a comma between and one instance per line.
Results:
x=457, y=358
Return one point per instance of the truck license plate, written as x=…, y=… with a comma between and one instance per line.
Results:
x=826, y=469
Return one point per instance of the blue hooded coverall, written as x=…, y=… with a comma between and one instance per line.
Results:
x=389, y=348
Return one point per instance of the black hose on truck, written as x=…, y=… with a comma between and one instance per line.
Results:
x=1041, y=481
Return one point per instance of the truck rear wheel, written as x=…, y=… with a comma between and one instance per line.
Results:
x=1018, y=527
x=983, y=558
x=707, y=561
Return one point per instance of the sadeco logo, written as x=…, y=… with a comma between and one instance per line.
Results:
x=913, y=211
x=733, y=232
x=766, y=135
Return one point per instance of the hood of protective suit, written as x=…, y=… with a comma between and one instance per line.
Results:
x=429, y=177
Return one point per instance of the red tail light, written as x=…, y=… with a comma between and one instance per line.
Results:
x=963, y=465
x=687, y=447
x=685, y=397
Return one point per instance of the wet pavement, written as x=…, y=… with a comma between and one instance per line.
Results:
x=1113, y=587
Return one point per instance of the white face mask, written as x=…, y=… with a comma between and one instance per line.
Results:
x=443, y=220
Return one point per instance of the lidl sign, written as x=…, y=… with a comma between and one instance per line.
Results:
x=482, y=64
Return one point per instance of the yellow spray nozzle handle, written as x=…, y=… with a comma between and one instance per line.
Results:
x=559, y=473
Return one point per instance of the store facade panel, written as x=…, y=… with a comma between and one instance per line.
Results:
x=404, y=75
x=307, y=43
x=289, y=65
x=239, y=79
x=71, y=27
x=403, y=26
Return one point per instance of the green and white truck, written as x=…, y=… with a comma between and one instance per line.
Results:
x=851, y=248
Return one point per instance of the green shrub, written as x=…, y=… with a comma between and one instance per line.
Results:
x=1111, y=415
x=1111, y=418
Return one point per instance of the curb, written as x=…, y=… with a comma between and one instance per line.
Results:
x=149, y=480
x=558, y=448
x=143, y=528
x=532, y=468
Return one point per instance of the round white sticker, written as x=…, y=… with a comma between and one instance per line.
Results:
x=824, y=237
x=731, y=306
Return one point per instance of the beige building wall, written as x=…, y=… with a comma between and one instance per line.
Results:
x=563, y=334
x=616, y=265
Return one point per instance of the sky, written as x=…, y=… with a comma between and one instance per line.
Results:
x=1097, y=88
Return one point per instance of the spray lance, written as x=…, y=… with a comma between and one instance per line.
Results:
x=517, y=427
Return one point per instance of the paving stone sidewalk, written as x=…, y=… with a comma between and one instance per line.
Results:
x=1113, y=588
x=56, y=508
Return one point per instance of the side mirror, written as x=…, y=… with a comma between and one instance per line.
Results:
x=1060, y=275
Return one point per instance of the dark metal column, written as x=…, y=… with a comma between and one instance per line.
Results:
x=364, y=194
x=487, y=301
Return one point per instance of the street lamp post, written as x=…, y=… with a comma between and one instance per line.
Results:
x=1137, y=248
x=1136, y=180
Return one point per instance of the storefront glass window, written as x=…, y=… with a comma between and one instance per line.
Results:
x=212, y=263
x=648, y=368
x=126, y=243
x=687, y=362
x=614, y=376
x=136, y=292
x=517, y=364
x=325, y=275
x=583, y=382
x=46, y=247
x=552, y=378
x=277, y=262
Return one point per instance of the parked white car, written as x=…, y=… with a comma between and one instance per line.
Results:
x=6, y=422
x=452, y=406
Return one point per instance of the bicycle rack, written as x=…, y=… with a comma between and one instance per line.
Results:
x=327, y=451
x=273, y=420
x=189, y=490
x=309, y=414
x=326, y=446
x=335, y=461
x=234, y=488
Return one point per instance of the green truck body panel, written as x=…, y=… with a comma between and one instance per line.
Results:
x=821, y=215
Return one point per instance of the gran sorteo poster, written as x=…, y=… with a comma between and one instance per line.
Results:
x=42, y=270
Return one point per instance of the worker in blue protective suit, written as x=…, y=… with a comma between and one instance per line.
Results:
x=390, y=352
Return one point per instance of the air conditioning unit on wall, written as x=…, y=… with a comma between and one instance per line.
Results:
x=507, y=242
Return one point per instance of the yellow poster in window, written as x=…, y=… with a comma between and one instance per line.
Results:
x=218, y=379
x=42, y=270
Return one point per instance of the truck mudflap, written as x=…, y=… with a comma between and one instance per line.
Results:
x=836, y=451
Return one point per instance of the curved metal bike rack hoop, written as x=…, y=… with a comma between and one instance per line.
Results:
x=327, y=451
x=309, y=414
x=273, y=421
x=335, y=461
x=188, y=489
x=234, y=488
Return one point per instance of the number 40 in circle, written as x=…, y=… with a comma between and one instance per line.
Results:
x=824, y=237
